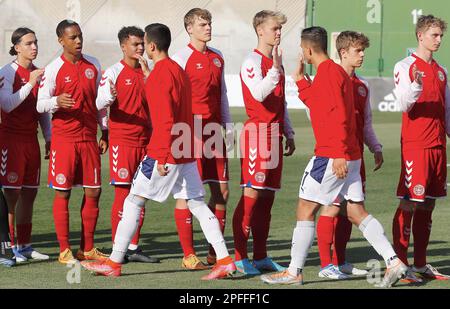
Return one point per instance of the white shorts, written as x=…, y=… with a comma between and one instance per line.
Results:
x=320, y=185
x=183, y=182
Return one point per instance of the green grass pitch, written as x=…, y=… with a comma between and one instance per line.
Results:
x=159, y=237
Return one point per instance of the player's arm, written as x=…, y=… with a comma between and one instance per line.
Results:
x=289, y=133
x=46, y=127
x=260, y=87
x=107, y=91
x=370, y=138
x=406, y=91
x=47, y=102
x=11, y=100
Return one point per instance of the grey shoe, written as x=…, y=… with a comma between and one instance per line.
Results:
x=138, y=256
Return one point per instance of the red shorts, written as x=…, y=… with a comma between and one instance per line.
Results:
x=212, y=162
x=124, y=162
x=20, y=163
x=262, y=162
x=424, y=174
x=74, y=165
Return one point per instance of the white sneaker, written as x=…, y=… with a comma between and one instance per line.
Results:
x=332, y=272
x=32, y=254
x=393, y=275
x=349, y=269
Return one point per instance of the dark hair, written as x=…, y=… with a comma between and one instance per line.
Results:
x=318, y=38
x=126, y=32
x=16, y=38
x=160, y=35
x=62, y=26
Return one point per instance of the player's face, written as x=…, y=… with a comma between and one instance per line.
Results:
x=28, y=47
x=354, y=56
x=201, y=30
x=431, y=39
x=133, y=46
x=270, y=32
x=72, y=40
x=307, y=52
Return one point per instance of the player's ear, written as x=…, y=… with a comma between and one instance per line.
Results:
x=60, y=41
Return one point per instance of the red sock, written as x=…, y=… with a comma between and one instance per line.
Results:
x=401, y=232
x=135, y=240
x=183, y=220
x=24, y=234
x=61, y=218
x=261, y=226
x=120, y=194
x=325, y=235
x=421, y=231
x=241, y=226
x=89, y=216
x=342, y=233
x=221, y=215
x=12, y=234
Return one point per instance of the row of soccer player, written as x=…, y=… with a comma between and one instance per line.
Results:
x=68, y=89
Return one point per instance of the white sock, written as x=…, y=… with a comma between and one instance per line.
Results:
x=127, y=227
x=374, y=233
x=132, y=247
x=210, y=227
x=302, y=241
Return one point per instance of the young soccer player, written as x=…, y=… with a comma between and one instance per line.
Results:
x=168, y=168
x=19, y=146
x=333, y=227
x=263, y=86
x=424, y=98
x=122, y=91
x=68, y=90
x=335, y=169
x=205, y=67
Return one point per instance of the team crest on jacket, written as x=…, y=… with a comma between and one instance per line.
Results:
x=13, y=177
x=419, y=190
x=362, y=91
x=123, y=173
x=61, y=179
x=441, y=76
x=89, y=73
x=217, y=63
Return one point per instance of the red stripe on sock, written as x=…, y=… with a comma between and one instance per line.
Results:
x=242, y=225
x=401, y=232
x=261, y=226
x=61, y=219
x=89, y=216
x=342, y=234
x=325, y=236
x=183, y=220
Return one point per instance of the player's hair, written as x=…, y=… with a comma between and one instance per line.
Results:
x=263, y=16
x=317, y=37
x=160, y=35
x=189, y=18
x=347, y=39
x=126, y=32
x=62, y=26
x=427, y=21
x=16, y=38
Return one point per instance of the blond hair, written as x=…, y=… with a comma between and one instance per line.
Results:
x=189, y=19
x=427, y=21
x=347, y=39
x=263, y=16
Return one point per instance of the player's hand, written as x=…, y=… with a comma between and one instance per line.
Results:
x=418, y=75
x=36, y=76
x=290, y=147
x=112, y=89
x=163, y=170
x=340, y=168
x=48, y=147
x=379, y=160
x=277, y=56
x=299, y=72
x=144, y=65
x=1, y=82
x=65, y=101
x=103, y=143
